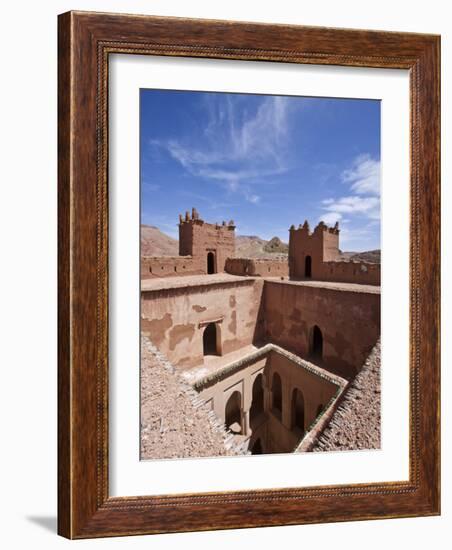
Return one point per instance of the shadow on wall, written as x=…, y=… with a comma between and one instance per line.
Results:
x=259, y=335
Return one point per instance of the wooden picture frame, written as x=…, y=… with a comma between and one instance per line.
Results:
x=85, y=42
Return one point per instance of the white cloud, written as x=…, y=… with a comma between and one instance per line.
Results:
x=363, y=200
x=237, y=149
x=330, y=218
x=364, y=176
x=353, y=204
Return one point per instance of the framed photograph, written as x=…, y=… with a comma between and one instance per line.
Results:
x=248, y=275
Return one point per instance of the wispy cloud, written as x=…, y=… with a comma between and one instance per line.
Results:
x=352, y=204
x=237, y=149
x=364, y=176
x=363, y=179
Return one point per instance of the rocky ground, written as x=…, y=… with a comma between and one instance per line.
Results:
x=174, y=422
x=356, y=423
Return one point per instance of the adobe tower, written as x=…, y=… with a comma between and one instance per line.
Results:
x=209, y=244
x=308, y=251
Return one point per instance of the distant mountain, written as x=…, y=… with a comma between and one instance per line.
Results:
x=370, y=256
x=251, y=246
x=156, y=243
x=275, y=246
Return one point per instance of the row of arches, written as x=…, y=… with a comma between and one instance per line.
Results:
x=295, y=418
x=297, y=412
x=233, y=409
x=297, y=405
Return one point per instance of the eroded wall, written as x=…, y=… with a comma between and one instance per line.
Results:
x=349, y=322
x=170, y=266
x=258, y=267
x=174, y=319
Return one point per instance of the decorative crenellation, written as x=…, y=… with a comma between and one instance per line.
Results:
x=320, y=227
x=194, y=218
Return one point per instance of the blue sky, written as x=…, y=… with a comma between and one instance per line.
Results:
x=264, y=161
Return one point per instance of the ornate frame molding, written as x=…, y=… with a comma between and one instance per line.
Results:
x=85, y=42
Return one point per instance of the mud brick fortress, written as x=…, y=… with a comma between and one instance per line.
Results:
x=251, y=356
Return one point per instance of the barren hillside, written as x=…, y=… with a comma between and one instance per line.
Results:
x=156, y=243
x=371, y=256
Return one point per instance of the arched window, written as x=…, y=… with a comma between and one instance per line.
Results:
x=257, y=403
x=316, y=344
x=209, y=340
x=233, y=416
x=297, y=410
x=308, y=266
x=210, y=263
x=277, y=394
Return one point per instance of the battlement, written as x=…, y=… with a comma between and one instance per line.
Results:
x=316, y=255
x=320, y=228
x=195, y=219
x=210, y=244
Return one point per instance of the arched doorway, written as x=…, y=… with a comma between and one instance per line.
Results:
x=233, y=415
x=209, y=340
x=316, y=350
x=257, y=403
x=277, y=395
x=210, y=263
x=257, y=448
x=308, y=266
x=297, y=415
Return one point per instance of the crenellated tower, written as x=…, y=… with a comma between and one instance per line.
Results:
x=309, y=250
x=210, y=244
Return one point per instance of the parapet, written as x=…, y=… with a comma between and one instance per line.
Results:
x=258, y=267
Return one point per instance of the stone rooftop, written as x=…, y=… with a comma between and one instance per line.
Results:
x=347, y=287
x=174, y=422
x=225, y=278
x=190, y=281
x=356, y=422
